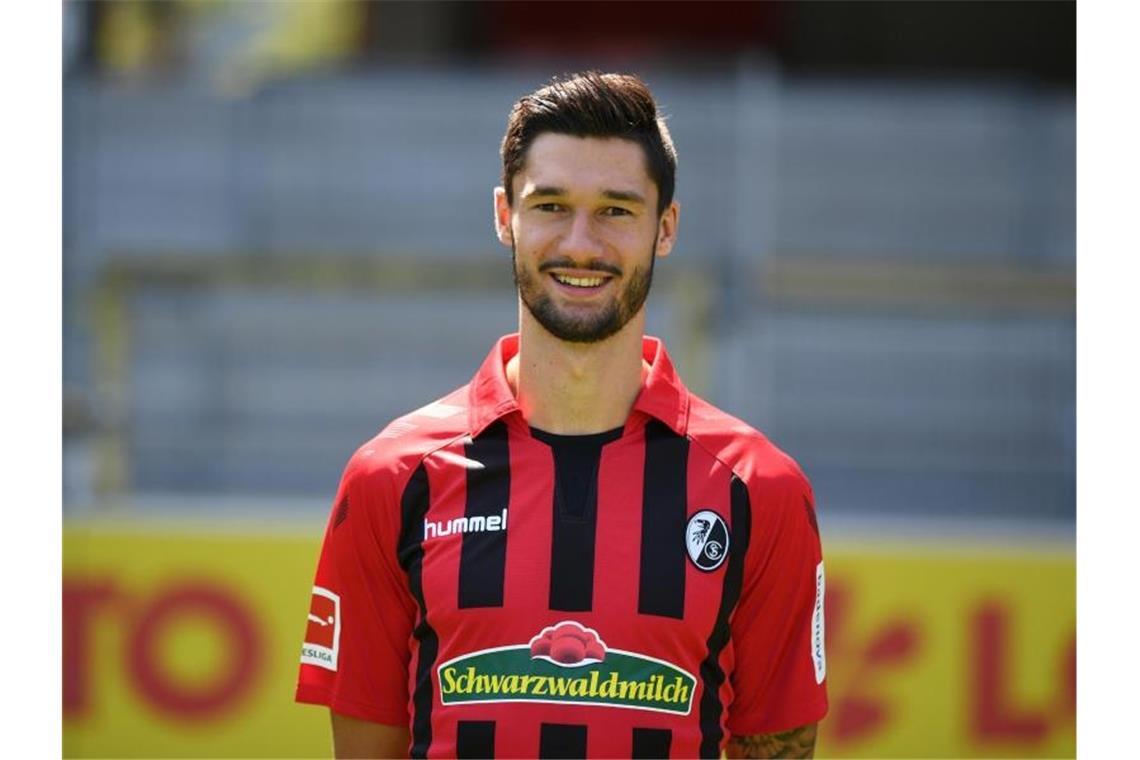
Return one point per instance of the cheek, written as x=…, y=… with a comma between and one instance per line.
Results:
x=531, y=240
x=645, y=230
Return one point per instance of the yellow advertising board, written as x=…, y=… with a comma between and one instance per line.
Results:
x=183, y=642
x=179, y=642
x=938, y=651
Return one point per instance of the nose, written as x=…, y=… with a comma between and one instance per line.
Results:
x=581, y=241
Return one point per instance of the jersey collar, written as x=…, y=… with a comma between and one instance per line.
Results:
x=663, y=395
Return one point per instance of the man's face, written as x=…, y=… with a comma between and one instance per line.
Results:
x=584, y=232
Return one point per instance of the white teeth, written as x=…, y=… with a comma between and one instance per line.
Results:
x=580, y=282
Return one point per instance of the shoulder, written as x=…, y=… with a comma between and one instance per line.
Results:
x=392, y=455
x=783, y=528
x=749, y=454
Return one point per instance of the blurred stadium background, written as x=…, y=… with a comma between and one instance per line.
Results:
x=277, y=237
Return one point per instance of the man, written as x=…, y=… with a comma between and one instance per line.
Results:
x=572, y=555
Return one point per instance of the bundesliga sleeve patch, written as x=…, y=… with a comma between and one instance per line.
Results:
x=322, y=636
x=819, y=659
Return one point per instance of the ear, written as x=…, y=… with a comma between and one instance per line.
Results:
x=667, y=229
x=503, y=218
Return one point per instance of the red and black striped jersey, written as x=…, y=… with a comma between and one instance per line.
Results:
x=506, y=592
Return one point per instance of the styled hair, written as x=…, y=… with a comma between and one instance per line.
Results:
x=593, y=104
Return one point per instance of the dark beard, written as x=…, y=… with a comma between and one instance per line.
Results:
x=594, y=327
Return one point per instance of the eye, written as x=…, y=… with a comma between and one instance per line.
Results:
x=616, y=211
x=549, y=207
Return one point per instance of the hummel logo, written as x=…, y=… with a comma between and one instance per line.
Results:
x=476, y=524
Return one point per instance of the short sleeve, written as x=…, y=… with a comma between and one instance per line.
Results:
x=355, y=654
x=777, y=630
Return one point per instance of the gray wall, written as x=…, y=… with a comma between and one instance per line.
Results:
x=238, y=385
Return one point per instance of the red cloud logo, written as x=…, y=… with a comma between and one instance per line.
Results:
x=569, y=644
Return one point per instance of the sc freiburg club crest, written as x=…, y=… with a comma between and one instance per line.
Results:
x=706, y=538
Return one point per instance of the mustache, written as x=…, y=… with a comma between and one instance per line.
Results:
x=593, y=266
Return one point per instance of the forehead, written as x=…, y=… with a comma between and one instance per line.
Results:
x=584, y=164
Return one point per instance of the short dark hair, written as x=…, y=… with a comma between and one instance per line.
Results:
x=593, y=104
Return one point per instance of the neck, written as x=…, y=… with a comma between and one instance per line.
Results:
x=577, y=388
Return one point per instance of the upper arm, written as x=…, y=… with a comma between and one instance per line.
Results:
x=355, y=738
x=355, y=656
x=777, y=628
x=799, y=742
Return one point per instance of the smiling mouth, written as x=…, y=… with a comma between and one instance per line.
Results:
x=579, y=282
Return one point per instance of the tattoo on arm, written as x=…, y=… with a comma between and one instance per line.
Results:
x=799, y=742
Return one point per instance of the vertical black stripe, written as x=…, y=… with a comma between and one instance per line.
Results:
x=811, y=515
x=661, y=587
x=483, y=561
x=651, y=743
x=712, y=675
x=341, y=512
x=575, y=518
x=561, y=740
x=410, y=552
x=475, y=739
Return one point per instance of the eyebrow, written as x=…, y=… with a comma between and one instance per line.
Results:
x=624, y=195
x=615, y=195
